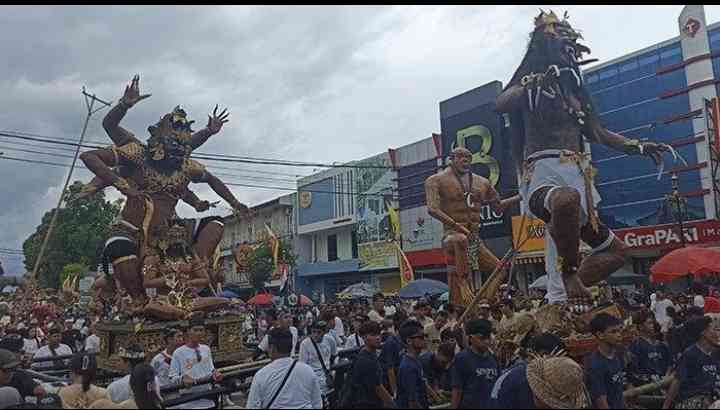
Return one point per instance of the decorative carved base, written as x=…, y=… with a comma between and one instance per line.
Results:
x=223, y=335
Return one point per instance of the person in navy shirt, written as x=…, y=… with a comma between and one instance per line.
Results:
x=411, y=382
x=545, y=382
x=392, y=348
x=605, y=369
x=697, y=376
x=475, y=369
x=650, y=357
x=437, y=366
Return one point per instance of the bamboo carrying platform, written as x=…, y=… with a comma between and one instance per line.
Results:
x=223, y=335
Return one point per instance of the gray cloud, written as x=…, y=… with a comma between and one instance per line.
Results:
x=318, y=84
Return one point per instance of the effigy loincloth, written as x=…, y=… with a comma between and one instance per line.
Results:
x=480, y=258
x=545, y=171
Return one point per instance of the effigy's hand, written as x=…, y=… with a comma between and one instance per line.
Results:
x=216, y=121
x=241, y=211
x=132, y=93
x=654, y=150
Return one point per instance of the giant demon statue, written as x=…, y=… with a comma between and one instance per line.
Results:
x=154, y=177
x=551, y=117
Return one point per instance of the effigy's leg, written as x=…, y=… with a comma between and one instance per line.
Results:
x=208, y=237
x=122, y=252
x=461, y=293
x=608, y=255
x=564, y=206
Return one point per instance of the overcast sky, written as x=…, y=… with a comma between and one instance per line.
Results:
x=318, y=84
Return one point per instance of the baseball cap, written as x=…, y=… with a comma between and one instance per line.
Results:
x=8, y=359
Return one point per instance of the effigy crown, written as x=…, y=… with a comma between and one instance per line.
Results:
x=544, y=19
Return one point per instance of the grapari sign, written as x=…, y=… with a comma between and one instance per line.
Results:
x=669, y=235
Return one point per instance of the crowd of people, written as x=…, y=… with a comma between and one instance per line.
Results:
x=404, y=355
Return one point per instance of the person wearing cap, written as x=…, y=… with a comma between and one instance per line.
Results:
x=483, y=310
x=605, y=367
x=120, y=390
x=697, y=375
x=355, y=340
x=475, y=369
x=285, y=383
x=543, y=383
x=52, y=349
x=174, y=338
x=12, y=376
x=316, y=351
x=411, y=382
x=283, y=321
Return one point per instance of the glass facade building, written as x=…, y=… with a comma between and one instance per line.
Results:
x=642, y=96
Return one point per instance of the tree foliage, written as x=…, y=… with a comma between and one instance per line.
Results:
x=261, y=265
x=78, y=237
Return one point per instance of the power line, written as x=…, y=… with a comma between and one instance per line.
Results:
x=31, y=161
x=209, y=157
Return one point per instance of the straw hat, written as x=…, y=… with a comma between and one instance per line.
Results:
x=557, y=382
x=521, y=326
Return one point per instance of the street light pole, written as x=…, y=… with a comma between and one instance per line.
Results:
x=678, y=200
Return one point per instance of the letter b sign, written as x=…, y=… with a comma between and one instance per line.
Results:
x=482, y=156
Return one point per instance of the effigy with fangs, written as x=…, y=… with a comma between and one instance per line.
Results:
x=160, y=263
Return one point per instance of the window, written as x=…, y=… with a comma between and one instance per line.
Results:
x=652, y=58
x=629, y=66
x=332, y=248
x=607, y=73
x=354, y=245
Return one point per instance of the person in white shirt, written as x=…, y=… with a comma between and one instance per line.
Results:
x=317, y=351
x=192, y=363
x=53, y=348
x=284, y=383
x=283, y=321
x=120, y=389
x=659, y=309
x=174, y=338
x=378, y=312
x=354, y=340
x=32, y=343
x=92, y=342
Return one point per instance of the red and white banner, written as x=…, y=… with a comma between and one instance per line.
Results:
x=663, y=236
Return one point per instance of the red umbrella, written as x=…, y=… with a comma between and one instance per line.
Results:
x=305, y=301
x=261, y=299
x=681, y=262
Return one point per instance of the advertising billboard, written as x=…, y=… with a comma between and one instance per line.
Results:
x=374, y=193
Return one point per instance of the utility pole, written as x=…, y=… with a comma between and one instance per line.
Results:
x=90, y=104
x=677, y=199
